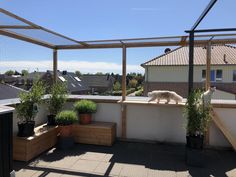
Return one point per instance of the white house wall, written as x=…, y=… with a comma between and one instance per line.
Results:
x=180, y=73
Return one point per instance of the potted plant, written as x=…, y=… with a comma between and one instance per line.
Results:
x=85, y=108
x=28, y=108
x=198, y=118
x=56, y=101
x=65, y=120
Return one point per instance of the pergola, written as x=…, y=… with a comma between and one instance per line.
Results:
x=19, y=28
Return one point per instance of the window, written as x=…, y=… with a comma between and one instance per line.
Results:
x=234, y=75
x=213, y=79
x=76, y=78
x=62, y=78
x=219, y=75
x=204, y=74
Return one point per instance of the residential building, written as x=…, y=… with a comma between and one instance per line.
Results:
x=9, y=92
x=170, y=71
x=99, y=83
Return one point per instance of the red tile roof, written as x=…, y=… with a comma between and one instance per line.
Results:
x=180, y=56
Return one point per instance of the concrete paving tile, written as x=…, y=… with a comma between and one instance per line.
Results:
x=102, y=168
x=28, y=173
x=66, y=162
x=152, y=173
x=85, y=166
x=51, y=174
x=231, y=173
x=93, y=156
x=166, y=173
x=134, y=171
x=107, y=157
x=182, y=174
x=66, y=175
x=116, y=169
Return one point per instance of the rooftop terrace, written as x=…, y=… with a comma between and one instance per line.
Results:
x=126, y=159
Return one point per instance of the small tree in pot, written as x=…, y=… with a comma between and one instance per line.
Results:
x=56, y=101
x=28, y=108
x=198, y=118
x=65, y=120
x=85, y=108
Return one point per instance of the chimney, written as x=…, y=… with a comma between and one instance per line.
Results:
x=64, y=72
x=167, y=50
x=226, y=62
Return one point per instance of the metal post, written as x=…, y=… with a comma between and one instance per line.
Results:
x=191, y=59
x=54, y=66
x=208, y=66
x=123, y=73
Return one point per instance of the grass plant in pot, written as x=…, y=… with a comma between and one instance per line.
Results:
x=198, y=118
x=28, y=108
x=56, y=100
x=66, y=119
x=85, y=108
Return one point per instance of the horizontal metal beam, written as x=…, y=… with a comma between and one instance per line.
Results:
x=25, y=38
x=212, y=30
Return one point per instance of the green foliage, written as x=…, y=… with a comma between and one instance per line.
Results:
x=116, y=86
x=57, y=98
x=85, y=106
x=24, y=72
x=78, y=73
x=139, y=92
x=27, y=109
x=119, y=92
x=133, y=83
x=66, y=117
x=99, y=73
x=10, y=72
x=198, y=116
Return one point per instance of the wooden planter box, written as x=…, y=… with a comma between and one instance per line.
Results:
x=25, y=149
x=97, y=133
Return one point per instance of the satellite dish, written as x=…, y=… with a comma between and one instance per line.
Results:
x=167, y=50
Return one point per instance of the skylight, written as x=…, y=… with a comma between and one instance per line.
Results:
x=62, y=78
x=78, y=79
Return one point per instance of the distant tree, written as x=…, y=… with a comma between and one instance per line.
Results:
x=99, y=73
x=78, y=73
x=24, y=72
x=133, y=83
x=10, y=72
x=116, y=86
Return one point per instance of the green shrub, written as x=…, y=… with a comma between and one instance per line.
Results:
x=57, y=98
x=66, y=118
x=28, y=107
x=198, y=116
x=85, y=106
x=139, y=92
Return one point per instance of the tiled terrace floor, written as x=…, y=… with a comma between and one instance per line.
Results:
x=126, y=159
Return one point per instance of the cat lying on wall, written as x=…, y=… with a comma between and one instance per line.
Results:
x=164, y=94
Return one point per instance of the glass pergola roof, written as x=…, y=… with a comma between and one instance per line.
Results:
x=16, y=27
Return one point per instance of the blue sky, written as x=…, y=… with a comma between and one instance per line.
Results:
x=105, y=19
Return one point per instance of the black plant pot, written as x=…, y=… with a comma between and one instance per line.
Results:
x=194, y=151
x=51, y=119
x=26, y=129
x=195, y=142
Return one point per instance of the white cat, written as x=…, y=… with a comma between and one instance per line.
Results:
x=207, y=95
x=164, y=94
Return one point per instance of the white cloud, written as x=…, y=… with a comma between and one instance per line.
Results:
x=72, y=65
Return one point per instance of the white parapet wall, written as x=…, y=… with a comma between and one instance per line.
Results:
x=151, y=122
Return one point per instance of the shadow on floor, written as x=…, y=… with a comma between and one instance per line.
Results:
x=152, y=156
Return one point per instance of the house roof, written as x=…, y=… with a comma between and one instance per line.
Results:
x=74, y=83
x=9, y=92
x=98, y=80
x=220, y=55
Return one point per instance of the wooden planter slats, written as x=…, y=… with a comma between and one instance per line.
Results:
x=97, y=133
x=26, y=148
